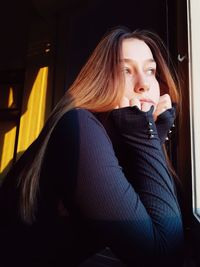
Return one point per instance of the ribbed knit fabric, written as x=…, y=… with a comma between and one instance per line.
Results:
x=110, y=181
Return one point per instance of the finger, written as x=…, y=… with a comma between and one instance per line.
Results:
x=165, y=101
x=145, y=106
x=135, y=102
x=159, y=110
x=163, y=104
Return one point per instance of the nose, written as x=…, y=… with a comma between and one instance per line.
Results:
x=141, y=84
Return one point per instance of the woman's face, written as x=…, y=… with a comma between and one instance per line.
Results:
x=139, y=68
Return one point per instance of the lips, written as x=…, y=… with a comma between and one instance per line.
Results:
x=146, y=100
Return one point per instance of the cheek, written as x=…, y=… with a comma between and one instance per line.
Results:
x=128, y=92
x=156, y=92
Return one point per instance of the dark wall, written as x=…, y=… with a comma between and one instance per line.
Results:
x=76, y=27
x=15, y=19
x=88, y=25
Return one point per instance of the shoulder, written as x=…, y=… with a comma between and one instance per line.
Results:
x=79, y=120
x=81, y=116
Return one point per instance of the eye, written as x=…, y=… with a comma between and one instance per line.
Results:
x=126, y=70
x=151, y=71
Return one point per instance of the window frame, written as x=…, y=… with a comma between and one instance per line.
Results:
x=194, y=95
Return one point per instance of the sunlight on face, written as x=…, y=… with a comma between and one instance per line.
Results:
x=139, y=68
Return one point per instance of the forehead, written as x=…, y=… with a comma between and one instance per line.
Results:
x=136, y=49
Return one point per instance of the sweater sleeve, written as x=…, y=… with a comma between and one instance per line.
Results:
x=165, y=123
x=141, y=225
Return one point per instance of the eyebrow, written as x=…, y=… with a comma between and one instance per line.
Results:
x=129, y=60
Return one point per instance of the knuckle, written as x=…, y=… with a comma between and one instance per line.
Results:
x=166, y=97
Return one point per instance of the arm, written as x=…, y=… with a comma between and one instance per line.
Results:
x=165, y=122
x=140, y=226
x=164, y=116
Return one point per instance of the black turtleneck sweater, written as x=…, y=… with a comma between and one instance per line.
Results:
x=104, y=183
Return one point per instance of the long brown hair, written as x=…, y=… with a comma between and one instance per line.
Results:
x=98, y=88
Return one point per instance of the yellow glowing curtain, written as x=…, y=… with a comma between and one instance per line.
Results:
x=33, y=111
x=10, y=98
x=7, y=136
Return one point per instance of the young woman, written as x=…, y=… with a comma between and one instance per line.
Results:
x=97, y=176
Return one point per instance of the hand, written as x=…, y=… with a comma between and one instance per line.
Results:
x=125, y=102
x=163, y=104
